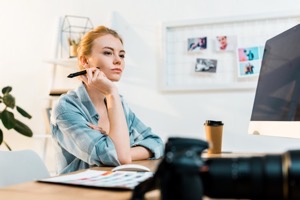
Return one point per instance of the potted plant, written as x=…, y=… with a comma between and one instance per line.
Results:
x=73, y=45
x=8, y=118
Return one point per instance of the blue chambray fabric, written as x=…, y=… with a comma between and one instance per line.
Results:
x=79, y=147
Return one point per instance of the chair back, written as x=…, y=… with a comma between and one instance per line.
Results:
x=21, y=166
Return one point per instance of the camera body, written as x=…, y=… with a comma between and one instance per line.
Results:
x=184, y=174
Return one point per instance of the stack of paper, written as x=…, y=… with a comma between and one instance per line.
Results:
x=105, y=179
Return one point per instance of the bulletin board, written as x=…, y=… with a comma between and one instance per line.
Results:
x=178, y=64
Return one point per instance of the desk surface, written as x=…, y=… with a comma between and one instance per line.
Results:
x=46, y=191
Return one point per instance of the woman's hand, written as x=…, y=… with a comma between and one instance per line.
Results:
x=97, y=128
x=96, y=79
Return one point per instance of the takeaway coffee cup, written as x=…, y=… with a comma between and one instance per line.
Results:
x=214, y=132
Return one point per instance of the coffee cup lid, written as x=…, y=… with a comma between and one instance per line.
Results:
x=213, y=123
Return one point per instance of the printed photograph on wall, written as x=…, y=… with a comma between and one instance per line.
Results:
x=226, y=42
x=197, y=44
x=249, y=60
x=206, y=65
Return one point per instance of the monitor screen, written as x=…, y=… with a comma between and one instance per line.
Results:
x=276, y=108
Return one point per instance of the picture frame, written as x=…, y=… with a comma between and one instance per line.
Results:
x=178, y=64
x=226, y=42
x=206, y=65
x=197, y=44
x=249, y=60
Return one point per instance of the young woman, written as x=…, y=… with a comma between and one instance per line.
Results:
x=222, y=42
x=93, y=125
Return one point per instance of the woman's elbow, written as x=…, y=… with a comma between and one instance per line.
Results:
x=125, y=160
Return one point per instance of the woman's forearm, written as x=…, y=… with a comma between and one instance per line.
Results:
x=118, y=128
x=140, y=153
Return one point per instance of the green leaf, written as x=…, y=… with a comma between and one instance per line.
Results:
x=23, y=112
x=6, y=90
x=8, y=119
x=23, y=129
x=1, y=136
x=9, y=100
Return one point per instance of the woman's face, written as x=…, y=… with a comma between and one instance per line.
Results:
x=222, y=40
x=108, y=55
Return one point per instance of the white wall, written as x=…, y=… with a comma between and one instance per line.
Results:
x=29, y=30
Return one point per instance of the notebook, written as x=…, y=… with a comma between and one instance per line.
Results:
x=102, y=179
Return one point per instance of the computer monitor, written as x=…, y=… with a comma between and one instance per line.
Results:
x=276, y=108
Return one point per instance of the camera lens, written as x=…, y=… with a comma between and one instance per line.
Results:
x=292, y=177
x=265, y=177
x=184, y=174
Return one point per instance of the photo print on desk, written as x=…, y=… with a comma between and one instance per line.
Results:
x=226, y=42
x=206, y=65
x=249, y=60
x=197, y=44
x=102, y=179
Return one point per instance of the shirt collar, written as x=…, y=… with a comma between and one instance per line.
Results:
x=85, y=99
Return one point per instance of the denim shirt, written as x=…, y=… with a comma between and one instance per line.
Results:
x=79, y=147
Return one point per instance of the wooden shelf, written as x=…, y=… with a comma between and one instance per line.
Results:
x=67, y=62
x=70, y=63
x=58, y=92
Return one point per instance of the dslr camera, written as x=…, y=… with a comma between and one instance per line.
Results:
x=184, y=175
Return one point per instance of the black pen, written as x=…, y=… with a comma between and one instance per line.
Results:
x=77, y=74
